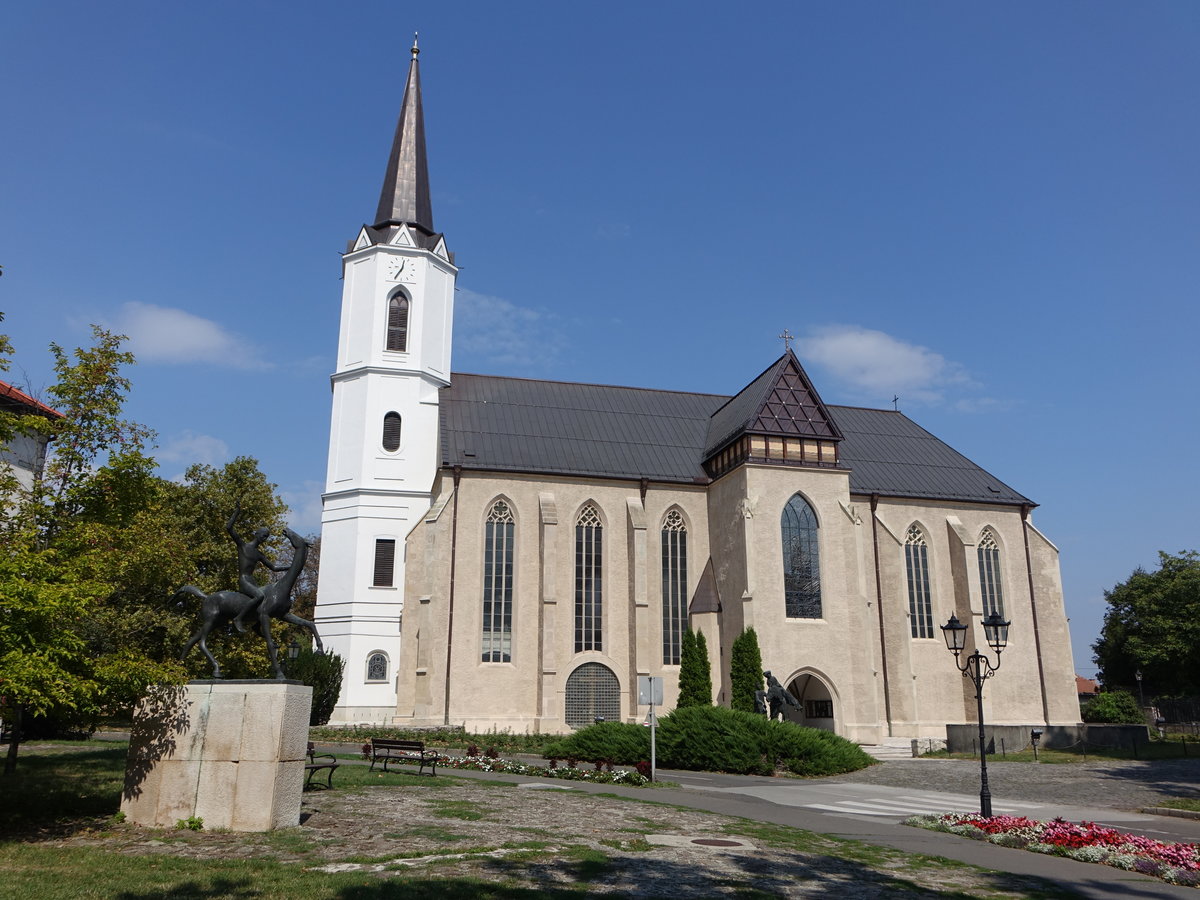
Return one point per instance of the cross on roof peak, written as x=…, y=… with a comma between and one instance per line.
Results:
x=787, y=337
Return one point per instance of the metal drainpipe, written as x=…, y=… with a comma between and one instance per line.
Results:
x=887, y=690
x=450, y=621
x=1037, y=637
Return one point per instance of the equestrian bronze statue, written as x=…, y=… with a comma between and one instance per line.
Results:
x=253, y=603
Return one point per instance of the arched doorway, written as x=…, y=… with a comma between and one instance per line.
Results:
x=593, y=692
x=815, y=699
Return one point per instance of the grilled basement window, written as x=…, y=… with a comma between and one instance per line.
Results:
x=391, y=432
x=385, y=562
x=397, y=326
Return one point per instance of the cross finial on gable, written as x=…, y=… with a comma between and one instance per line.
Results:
x=787, y=338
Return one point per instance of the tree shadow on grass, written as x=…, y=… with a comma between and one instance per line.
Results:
x=60, y=794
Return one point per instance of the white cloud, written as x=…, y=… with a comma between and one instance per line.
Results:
x=492, y=331
x=304, y=504
x=159, y=334
x=189, y=448
x=879, y=366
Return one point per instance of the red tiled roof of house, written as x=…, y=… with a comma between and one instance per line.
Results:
x=1085, y=685
x=20, y=398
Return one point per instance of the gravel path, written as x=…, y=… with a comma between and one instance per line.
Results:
x=1119, y=785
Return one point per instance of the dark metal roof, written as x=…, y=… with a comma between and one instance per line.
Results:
x=781, y=400
x=405, y=194
x=602, y=431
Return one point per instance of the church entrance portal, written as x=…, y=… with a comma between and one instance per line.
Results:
x=593, y=692
x=816, y=702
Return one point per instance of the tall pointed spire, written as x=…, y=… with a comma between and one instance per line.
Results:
x=405, y=195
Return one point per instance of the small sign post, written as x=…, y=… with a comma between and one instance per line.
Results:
x=650, y=693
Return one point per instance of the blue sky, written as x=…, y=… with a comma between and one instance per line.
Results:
x=991, y=210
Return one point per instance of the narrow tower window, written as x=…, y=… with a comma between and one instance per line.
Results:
x=589, y=538
x=385, y=562
x=989, y=574
x=920, y=605
x=397, y=325
x=674, y=585
x=801, y=560
x=498, y=584
x=391, y=432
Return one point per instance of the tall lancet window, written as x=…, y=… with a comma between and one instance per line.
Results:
x=920, y=604
x=801, y=560
x=674, y=585
x=397, y=324
x=989, y=574
x=498, y=584
x=589, y=580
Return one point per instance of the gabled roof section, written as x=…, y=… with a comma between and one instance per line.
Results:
x=498, y=424
x=779, y=401
x=405, y=194
x=19, y=402
x=707, y=598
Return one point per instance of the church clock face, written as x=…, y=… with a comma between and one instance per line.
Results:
x=397, y=267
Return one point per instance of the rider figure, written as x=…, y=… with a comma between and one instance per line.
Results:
x=249, y=558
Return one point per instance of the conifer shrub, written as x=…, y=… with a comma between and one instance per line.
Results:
x=745, y=671
x=695, y=674
x=622, y=743
x=323, y=673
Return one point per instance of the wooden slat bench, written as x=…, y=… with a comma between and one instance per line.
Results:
x=410, y=752
x=318, y=762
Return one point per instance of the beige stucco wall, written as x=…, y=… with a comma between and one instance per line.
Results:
x=883, y=682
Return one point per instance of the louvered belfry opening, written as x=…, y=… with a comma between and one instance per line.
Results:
x=391, y=432
x=385, y=563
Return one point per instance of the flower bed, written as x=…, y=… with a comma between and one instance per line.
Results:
x=598, y=775
x=1085, y=841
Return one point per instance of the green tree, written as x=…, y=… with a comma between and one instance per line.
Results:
x=745, y=671
x=695, y=675
x=56, y=546
x=1153, y=625
x=323, y=673
x=1114, y=707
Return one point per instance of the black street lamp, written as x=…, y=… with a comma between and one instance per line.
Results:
x=979, y=669
x=1141, y=698
x=293, y=649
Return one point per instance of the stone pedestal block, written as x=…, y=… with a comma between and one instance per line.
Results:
x=229, y=752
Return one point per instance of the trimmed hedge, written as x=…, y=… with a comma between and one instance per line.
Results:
x=716, y=739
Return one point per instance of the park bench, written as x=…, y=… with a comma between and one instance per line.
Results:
x=410, y=752
x=316, y=763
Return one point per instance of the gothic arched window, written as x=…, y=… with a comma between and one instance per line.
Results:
x=589, y=580
x=801, y=560
x=498, y=584
x=391, y=432
x=397, y=323
x=593, y=692
x=920, y=604
x=377, y=667
x=674, y=585
x=989, y=574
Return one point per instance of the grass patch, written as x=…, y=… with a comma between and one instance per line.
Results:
x=456, y=809
x=58, y=789
x=1189, y=803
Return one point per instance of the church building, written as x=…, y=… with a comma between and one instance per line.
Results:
x=514, y=553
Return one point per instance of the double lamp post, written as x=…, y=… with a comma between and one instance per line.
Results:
x=978, y=668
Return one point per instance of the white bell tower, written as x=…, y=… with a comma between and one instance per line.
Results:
x=393, y=357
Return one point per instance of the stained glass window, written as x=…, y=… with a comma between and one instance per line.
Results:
x=920, y=604
x=589, y=580
x=989, y=574
x=801, y=560
x=674, y=586
x=498, y=584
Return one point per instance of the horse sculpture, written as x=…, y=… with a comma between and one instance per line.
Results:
x=221, y=607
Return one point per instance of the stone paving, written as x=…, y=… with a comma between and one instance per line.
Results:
x=1114, y=784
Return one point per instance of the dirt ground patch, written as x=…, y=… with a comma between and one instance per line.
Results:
x=539, y=839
